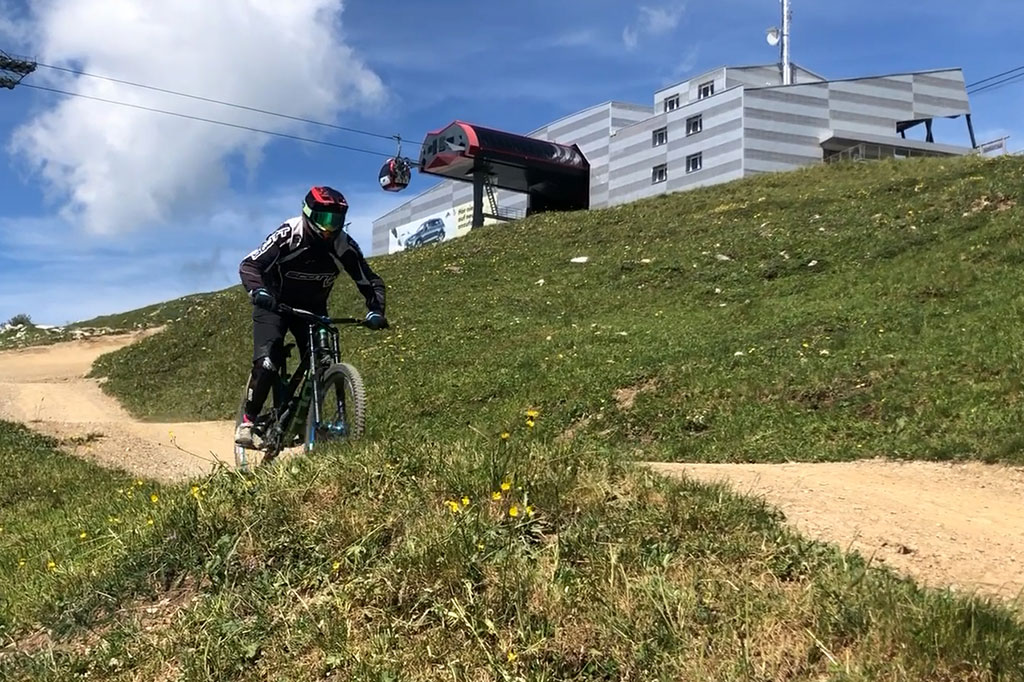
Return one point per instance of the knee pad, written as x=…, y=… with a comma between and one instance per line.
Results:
x=266, y=363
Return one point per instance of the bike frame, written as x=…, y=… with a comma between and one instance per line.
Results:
x=324, y=347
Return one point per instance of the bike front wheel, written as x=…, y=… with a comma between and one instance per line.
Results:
x=342, y=407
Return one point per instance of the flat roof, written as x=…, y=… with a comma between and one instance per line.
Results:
x=858, y=78
x=891, y=141
x=771, y=65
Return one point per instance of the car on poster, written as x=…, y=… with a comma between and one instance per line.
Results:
x=441, y=226
x=430, y=231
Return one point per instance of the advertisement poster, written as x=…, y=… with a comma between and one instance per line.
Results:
x=443, y=225
x=418, y=233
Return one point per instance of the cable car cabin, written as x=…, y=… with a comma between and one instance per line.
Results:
x=555, y=177
x=395, y=174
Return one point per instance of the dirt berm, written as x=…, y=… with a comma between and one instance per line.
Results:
x=957, y=525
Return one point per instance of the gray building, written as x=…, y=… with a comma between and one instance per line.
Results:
x=724, y=124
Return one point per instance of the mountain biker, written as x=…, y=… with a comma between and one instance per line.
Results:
x=297, y=265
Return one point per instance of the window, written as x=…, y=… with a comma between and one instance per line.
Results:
x=694, y=124
x=672, y=103
x=659, y=137
x=694, y=162
x=706, y=90
x=659, y=174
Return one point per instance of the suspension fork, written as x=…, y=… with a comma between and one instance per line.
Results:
x=314, y=375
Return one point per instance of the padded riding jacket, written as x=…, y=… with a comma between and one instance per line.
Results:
x=299, y=268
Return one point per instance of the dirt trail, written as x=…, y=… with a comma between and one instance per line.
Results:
x=45, y=388
x=947, y=525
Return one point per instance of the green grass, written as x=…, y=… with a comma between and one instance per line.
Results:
x=364, y=562
x=64, y=521
x=141, y=318
x=154, y=315
x=367, y=563
x=860, y=313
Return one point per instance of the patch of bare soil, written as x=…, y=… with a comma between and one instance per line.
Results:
x=625, y=398
x=998, y=203
x=150, y=616
x=46, y=389
x=946, y=525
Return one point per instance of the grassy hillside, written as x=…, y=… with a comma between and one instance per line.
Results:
x=466, y=560
x=25, y=335
x=827, y=314
x=437, y=549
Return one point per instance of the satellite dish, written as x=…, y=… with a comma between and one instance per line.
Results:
x=772, y=36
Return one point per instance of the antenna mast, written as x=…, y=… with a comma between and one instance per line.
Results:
x=787, y=17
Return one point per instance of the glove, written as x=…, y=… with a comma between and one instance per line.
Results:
x=375, y=320
x=262, y=298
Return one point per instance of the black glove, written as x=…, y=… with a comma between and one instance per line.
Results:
x=375, y=320
x=262, y=298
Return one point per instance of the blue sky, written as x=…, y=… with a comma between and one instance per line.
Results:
x=104, y=208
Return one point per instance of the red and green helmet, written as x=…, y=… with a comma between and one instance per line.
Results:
x=325, y=208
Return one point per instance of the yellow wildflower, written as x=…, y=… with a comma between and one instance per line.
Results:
x=530, y=423
x=529, y=510
x=195, y=491
x=506, y=486
x=138, y=482
x=153, y=497
x=512, y=657
x=335, y=566
x=83, y=535
x=495, y=496
x=513, y=511
x=465, y=501
x=21, y=562
x=149, y=522
x=505, y=435
x=52, y=565
x=532, y=414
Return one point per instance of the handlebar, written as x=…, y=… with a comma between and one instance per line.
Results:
x=318, y=319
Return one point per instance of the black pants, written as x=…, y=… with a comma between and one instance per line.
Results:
x=268, y=332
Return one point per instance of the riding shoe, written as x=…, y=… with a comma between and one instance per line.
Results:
x=243, y=435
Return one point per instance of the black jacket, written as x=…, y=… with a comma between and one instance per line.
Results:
x=299, y=268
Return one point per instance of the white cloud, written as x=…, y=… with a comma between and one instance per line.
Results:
x=112, y=169
x=584, y=37
x=653, y=21
x=688, y=63
x=11, y=29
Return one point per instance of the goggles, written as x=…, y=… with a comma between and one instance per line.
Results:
x=329, y=222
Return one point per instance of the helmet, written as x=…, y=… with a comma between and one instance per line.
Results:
x=325, y=208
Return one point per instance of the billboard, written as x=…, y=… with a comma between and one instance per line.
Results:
x=437, y=227
x=412, y=235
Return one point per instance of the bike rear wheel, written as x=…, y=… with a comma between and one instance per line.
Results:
x=342, y=407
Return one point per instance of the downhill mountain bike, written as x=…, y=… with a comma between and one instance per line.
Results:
x=323, y=399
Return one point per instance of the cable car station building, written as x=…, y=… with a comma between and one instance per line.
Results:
x=722, y=125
